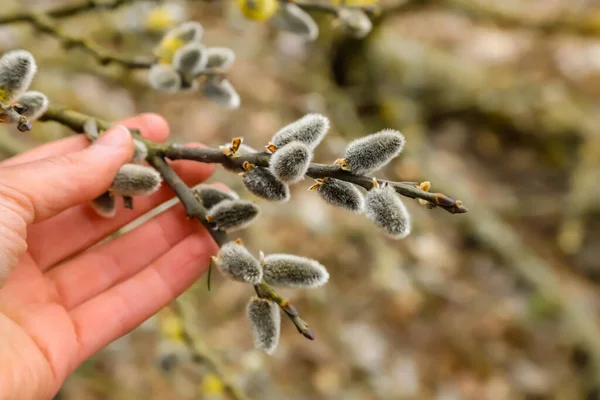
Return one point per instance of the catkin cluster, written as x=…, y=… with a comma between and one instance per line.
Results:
x=290, y=17
x=292, y=150
x=184, y=63
x=278, y=270
x=17, y=105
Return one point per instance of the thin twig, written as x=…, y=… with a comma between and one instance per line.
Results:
x=65, y=11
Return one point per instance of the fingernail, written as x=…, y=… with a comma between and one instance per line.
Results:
x=117, y=136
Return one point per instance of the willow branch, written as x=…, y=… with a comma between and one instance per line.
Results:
x=216, y=156
x=65, y=11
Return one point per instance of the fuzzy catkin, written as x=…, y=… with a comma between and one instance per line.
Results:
x=190, y=59
x=287, y=270
x=341, y=194
x=210, y=196
x=135, y=180
x=265, y=320
x=372, y=152
x=355, y=21
x=17, y=69
x=36, y=104
x=140, y=152
x=232, y=215
x=262, y=183
x=165, y=78
x=221, y=92
x=384, y=207
x=293, y=19
x=105, y=205
x=290, y=163
x=235, y=261
x=219, y=57
x=310, y=130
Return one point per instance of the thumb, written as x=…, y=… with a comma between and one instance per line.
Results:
x=44, y=188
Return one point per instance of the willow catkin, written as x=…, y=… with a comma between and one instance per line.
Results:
x=17, y=69
x=372, y=152
x=384, y=207
x=222, y=92
x=287, y=270
x=105, y=205
x=219, y=57
x=190, y=59
x=262, y=183
x=210, y=195
x=232, y=215
x=35, y=104
x=341, y=194
x=164, y=77
x=265, y=320
x=236, y=262
x=291, y=18
x=290, y=163
x=135, y=180
x=310, y=130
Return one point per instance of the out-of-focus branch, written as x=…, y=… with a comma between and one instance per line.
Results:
x=65, y=11
x=45, y=24
x=201, y=353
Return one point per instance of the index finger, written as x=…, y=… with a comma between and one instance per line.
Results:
x=151, y=126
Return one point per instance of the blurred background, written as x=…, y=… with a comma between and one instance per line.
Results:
x=499, y=102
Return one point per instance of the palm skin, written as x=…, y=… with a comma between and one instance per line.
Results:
x=63, y=301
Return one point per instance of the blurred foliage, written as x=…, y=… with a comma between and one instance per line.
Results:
x=498, y=102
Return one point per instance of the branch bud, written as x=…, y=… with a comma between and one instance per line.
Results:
x=236, y=262
x=232, y=215
x=310, y=130
x=290, y=163
x=384, y=207
x=135, y=180
x=340, y=194
x=17, y=69
x=372, y=152
x=286, y=270
x=265, y=320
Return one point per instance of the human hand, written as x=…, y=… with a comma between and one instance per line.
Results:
x=63, y=302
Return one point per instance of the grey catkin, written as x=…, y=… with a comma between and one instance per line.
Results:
x=341, y=194
x=164, y=77
x=190, y=59
x=262, y=183
x=290, y=163
x=287, y=270
x=265, y=320
x=140, y=152
x=17, y=68
x=232, y=215
x=190, y=31
x=219, y=57
x=310, y=130
x=384, y=207
x=35, y=103
x=135, y=180
x=236, y=262
x=210, y=195
x=221, y=92
x=372, y=152
x=90, y=129
x=291, y=18
x=355, y=21
x=105, y=205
